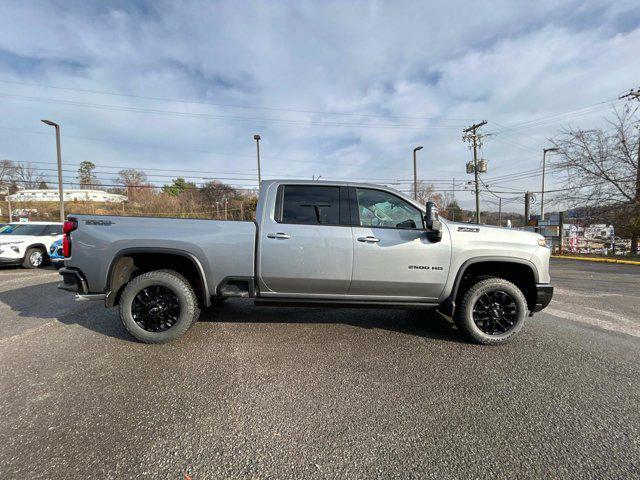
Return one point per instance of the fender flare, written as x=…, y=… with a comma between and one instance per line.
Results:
x=160, y=250
x=463, y=268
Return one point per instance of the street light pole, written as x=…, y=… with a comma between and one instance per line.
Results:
x=60, y=189
x=415, y=173
x=544, y=164
x=257, y=139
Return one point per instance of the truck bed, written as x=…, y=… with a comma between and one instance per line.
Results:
x=222, y=248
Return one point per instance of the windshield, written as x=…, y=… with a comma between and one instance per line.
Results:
x=23, y=230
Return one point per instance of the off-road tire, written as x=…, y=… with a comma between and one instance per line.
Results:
x=179, y=286
x=27, y=262
x=464, y=312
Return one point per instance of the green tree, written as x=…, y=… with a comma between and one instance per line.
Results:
x=43, y=185
x=86, y=177
x=178, y=186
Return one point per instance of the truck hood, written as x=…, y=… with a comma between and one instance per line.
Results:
x=494, y=232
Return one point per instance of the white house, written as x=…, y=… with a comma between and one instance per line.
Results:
x=69, y=196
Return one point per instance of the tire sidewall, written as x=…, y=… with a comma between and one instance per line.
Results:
x=476, y=292
x=178, y=287
x=27, y=258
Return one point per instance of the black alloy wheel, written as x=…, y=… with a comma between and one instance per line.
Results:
x=155, y=308
x=495, y=312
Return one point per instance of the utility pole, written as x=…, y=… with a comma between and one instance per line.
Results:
x=634, y=236
x=256, y=137
x=10, y=212
x=500, y=211
x=527, y=197
x=415, y=174
x=471, y=133
x=453, y=201
x=60, y=192
x=544, y=164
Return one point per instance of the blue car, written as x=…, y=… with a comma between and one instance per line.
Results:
x=55, y=254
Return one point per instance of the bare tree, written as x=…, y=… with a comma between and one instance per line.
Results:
x=602, y=173
x=216, y=191
x=6, y=173
x=134, y=182
x=27, y=176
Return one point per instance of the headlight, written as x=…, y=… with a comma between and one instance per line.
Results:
x=542, y=242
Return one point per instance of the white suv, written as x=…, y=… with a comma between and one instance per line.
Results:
x=28, y=243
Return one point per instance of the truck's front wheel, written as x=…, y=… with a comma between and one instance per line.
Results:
x=158, y=306
x=492, y=311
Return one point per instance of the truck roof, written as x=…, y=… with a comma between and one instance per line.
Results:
x=324, y=182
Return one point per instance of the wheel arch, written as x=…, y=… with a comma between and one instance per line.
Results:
x=525, y=276
x=130, y=262
x=41, y=246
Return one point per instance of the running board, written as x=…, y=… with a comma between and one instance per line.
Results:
x=294, y=302
x=90, y=297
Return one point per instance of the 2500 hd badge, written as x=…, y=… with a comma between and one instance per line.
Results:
x=423, y=267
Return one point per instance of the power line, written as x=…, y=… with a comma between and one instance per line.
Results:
x=177, y=114
x=225, y=105
x=201, y=150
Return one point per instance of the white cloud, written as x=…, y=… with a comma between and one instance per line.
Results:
x=454, y=63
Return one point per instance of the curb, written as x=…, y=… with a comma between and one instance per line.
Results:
x=595, y=259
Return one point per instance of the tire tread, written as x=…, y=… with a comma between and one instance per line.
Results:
x=181, y=329
x=464, y=324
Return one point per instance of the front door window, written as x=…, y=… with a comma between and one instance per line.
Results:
x=383, y=209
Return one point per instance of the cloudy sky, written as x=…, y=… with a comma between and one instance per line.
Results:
x=341, y=89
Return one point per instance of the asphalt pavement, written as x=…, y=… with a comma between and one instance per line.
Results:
x=310, y=393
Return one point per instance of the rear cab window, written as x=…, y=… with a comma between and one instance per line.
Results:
x=312, y=205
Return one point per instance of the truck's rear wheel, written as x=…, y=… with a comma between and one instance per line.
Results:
x=158, y=306
x=492, y=311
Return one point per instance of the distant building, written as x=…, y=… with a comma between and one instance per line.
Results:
x=69, y=196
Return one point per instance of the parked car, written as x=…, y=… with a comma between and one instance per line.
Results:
x=56, y=254
x=326, y=244
x=28, y=243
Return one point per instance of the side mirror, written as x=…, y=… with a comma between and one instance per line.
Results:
x=432, y=221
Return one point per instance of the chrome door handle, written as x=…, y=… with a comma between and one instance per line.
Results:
x=368, y=239
x=280, y=235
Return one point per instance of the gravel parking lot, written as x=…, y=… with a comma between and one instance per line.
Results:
x=311, y=393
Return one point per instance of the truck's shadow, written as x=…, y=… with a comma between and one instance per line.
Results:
x=41, y=303
x=421, y=323
x=44, y=302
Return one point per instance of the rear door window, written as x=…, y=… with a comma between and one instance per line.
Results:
x=310, y=205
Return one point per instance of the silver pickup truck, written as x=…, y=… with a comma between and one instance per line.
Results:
x=315, y=243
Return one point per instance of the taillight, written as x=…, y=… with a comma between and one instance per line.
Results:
x=67, y=228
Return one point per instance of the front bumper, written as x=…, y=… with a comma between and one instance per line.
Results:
x=8, y=256
x=544, y=294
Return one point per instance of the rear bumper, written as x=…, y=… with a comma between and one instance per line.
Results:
x=73, y=281
x=544, y=294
